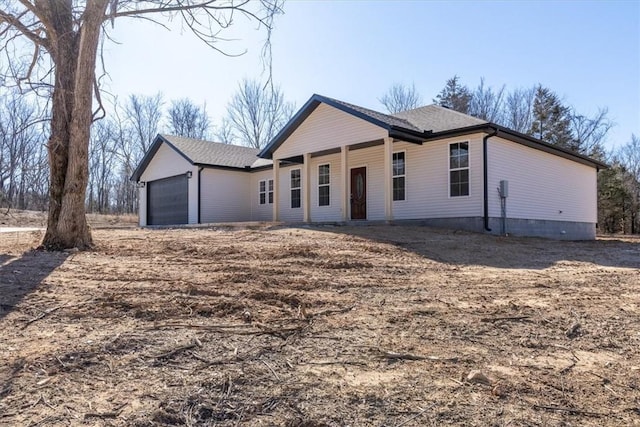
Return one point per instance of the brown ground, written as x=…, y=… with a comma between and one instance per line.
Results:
x=334, y=326
x=18, y=218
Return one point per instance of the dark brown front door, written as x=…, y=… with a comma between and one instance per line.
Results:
x=359, y=193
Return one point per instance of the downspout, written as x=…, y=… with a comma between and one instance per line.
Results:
x=485, y=171
x=199, y=190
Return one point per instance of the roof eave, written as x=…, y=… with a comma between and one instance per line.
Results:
x=536, y=143
x=520, y=138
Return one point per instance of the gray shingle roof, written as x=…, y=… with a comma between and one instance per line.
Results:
x=437, y=118
x=216, y=153
x=391, y=120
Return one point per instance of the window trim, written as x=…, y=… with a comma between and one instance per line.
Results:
x=449, y=169
x=399, y=176
x=292, y=189
x=328, y=185
x=262, y=192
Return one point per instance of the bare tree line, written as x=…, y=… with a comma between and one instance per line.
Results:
x=23, y=157
x=119, y=141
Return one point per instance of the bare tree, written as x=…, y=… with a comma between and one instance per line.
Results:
x=188, y=119
x=102, y=164
x=65, y=36
x=224, y=132
x=257, y=112
x=518, y=109
x=629, y=155
x=21, y=141
x=589, y=132
x=143, y=114
x=487, y=104
x=134, y=128
x=400, y=97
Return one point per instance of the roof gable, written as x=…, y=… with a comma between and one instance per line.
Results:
x=376, y=118
x=205, y=153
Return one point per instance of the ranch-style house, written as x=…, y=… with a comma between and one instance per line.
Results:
x=336, y=162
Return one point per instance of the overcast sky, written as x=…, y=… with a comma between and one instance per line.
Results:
x=586, y=51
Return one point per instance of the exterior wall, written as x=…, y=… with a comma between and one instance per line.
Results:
x=327, y=127
x=260, y=212
x=287, y=213
x=333, y=212
x=167, y=162
x=427, y=181
x=541, y=186
x=224, y=196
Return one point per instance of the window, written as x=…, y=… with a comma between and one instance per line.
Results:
x=459, y=169
x=270, y=191
x=399, y=176
x=324, y=178
x=295, y=188
x=262, y=189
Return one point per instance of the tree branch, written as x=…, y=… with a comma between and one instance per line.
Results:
x=23, y=29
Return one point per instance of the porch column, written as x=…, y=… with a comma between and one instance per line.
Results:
x=388, y=179
x=306, y=187
x=344, y=173
x=276, y=190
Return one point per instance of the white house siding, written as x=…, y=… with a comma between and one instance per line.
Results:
x=373, y=159
x=327, y=127
x=166, y=163
x=427, y=181
x=333, y=212
x=542, y=186
x=287, y=213
x=260, y=212
x=224, y=196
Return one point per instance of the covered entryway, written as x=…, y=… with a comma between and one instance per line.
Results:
x=359, y=193
x=167, y=201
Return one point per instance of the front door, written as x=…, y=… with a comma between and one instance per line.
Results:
x=359, y=193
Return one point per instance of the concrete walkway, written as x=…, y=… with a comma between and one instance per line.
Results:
x=19, y=229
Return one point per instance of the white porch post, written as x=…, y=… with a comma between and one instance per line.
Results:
x=344, y=172
x=276, y=190
x=306, y=187
x=388, y=179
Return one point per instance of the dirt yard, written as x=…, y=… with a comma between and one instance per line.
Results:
x=333, y=326
x=18, y=218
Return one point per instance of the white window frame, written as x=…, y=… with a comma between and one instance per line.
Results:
x=270, y=191
x=404, y=175
x=328, y=184
x=298, y=188
x=262, y=192
x=450, y=169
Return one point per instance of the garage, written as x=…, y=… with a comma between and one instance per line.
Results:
x=167, y=201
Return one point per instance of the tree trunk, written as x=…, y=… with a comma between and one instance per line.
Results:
x=74, y=54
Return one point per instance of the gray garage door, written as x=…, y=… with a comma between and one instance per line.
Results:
x=167, y=201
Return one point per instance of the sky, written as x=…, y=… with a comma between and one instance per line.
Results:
x=588, y=52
